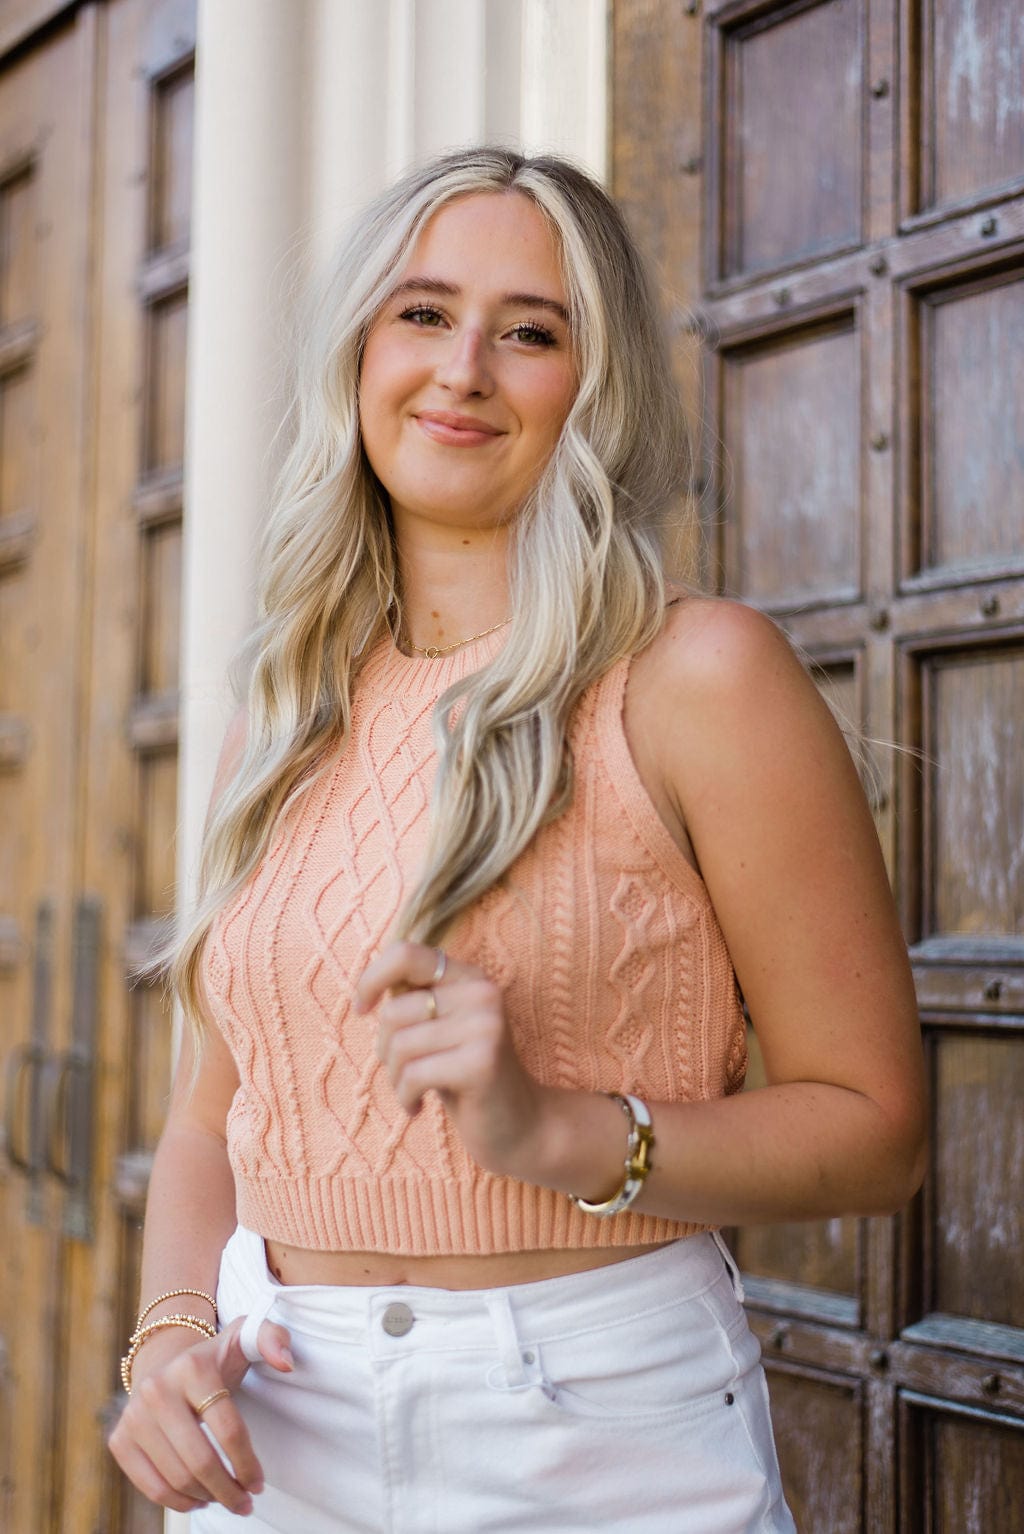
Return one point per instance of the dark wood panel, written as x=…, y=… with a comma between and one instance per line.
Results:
x=43, y=175
x=791, y=418
x=974, y=795
x=173, y=114
x=819, y=1253
x=819, y=1429
x=19, y=441
x=971, y=417
x=964, y=1471
x=19, y=235
x=165, y=417
x=161, y=577
x=158, y=820
x=969, y=62
x=789, y=161
x=976, y=1223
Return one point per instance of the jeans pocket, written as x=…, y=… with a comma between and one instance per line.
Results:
x=663, y=1365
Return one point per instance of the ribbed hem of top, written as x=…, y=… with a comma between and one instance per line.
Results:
x=418, y=1217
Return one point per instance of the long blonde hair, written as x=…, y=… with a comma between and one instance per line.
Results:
x=586, y=573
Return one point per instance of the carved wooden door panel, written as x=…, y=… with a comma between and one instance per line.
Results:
x=835, y=189
x=95, y=191
x=44, y=169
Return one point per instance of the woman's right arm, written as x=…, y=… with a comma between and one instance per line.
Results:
x=190, y=1214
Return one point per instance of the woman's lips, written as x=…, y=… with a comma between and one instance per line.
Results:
x=456, y=430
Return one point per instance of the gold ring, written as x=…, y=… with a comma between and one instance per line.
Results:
x=218, y=1395
x=439, y=967
x=432, y=1004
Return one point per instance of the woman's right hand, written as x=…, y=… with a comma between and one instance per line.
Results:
x=159, y=1441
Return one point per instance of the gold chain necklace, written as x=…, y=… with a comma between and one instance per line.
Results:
x=434, y=652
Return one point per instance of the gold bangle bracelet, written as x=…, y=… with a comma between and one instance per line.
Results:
x=637, y=1165
x=142, y=1335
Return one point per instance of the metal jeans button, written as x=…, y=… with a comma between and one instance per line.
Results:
x=397, y=1320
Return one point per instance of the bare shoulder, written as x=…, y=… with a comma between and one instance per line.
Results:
x=721, y=676
x=717, y=643
x=741, y=726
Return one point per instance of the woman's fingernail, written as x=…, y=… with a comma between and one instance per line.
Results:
x=256, y=1487
x=286, y=1354
x=245, y=1508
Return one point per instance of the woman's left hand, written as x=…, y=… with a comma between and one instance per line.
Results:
x=458, y=1045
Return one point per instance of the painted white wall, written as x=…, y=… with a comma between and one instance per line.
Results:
x=304, y=109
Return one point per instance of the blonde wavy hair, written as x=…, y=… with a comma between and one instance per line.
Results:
x=587, y=581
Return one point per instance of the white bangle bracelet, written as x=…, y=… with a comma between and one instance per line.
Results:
x=638, y=1157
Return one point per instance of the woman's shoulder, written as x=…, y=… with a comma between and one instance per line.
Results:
x=710, y=645
x=705, y=688
x=721, y=683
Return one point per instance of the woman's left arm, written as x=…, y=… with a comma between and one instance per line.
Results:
x=771, y=802
x=787, y=848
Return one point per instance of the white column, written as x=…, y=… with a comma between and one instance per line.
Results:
x=564, y=82
x=247, y=212
x=450, y=82
x=349, y=65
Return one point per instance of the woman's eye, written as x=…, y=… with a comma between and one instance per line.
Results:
x=533, y=334
x=422, y=314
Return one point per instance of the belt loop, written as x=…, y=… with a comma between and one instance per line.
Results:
x=503, y=1320
x=252, y=1323
x=730, y=1262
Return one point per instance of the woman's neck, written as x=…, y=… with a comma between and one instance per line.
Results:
x=453, y=588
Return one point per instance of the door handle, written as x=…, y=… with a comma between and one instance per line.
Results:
x=69, y=1112
x=23, y=1059
x=56, y=1075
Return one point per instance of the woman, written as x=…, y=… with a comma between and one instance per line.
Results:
x=503, y=823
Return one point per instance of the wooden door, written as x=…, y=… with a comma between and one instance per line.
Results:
x=833, y=191
x=95, y=177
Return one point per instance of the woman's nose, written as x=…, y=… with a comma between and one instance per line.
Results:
x=465, y=366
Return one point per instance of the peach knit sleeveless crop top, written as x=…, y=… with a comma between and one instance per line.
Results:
x=614, y=968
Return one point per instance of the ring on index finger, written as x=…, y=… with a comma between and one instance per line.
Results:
x=207, y=1401
x=439, y=967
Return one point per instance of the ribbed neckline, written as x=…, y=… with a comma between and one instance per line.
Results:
x=388, y=667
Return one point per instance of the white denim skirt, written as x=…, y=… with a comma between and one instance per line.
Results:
x=629, y=1397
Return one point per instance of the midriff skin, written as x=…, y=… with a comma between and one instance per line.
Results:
x=295, y=1265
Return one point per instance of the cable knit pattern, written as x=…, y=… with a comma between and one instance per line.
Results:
x=602, y=937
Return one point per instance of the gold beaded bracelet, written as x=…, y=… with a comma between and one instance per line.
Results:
x=172, y=1294
x=142, y=1334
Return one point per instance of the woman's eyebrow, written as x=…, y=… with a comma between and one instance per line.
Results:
x=442, y=289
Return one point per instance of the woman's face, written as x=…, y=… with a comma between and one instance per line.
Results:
x=468, y=372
